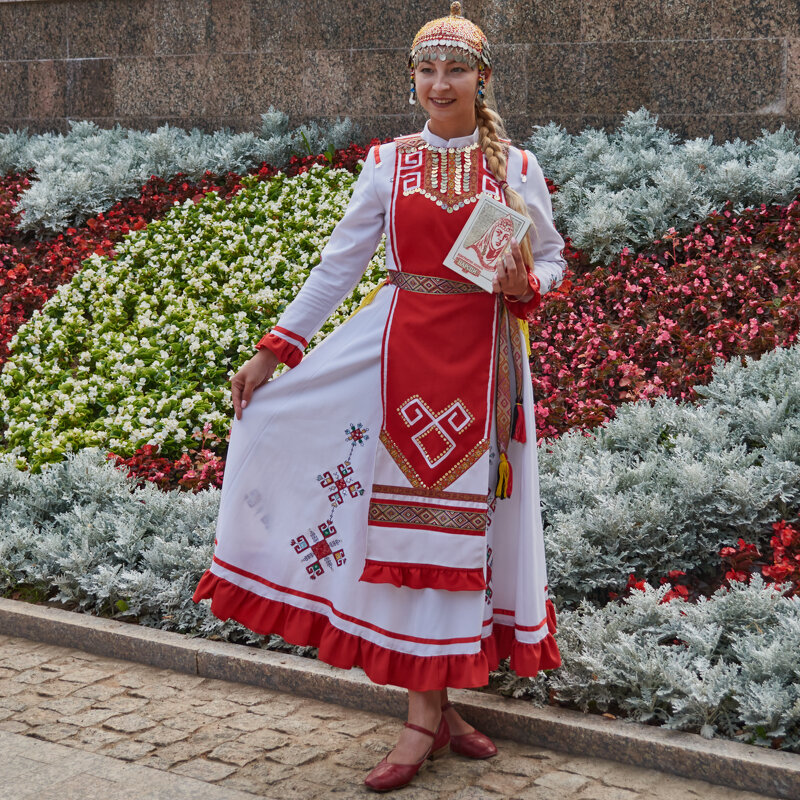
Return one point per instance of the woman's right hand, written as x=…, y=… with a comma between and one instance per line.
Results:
x=253, y=374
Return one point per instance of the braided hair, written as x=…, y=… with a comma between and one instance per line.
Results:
x=490, y=133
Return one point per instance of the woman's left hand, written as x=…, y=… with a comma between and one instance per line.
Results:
x=511, y=276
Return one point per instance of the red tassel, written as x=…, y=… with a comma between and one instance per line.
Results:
x=519, y=423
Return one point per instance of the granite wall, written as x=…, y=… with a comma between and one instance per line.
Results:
x=722, y=67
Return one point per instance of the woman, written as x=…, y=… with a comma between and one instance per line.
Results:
x=380, y=499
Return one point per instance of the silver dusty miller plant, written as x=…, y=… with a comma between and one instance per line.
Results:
x=83, y=532
x=630, y=186
x=85, y=172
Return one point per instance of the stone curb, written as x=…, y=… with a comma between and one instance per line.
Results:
x=740, y=766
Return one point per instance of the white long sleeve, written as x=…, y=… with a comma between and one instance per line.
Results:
x=343, y=259
x=547, y=243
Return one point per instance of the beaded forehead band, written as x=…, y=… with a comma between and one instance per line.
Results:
x=452, y=38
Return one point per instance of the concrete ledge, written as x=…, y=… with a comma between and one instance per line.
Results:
x=740, y=766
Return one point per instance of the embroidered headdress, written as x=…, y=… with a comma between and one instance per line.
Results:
x=452, y=38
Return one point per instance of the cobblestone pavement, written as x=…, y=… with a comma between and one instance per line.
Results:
x=150, y=733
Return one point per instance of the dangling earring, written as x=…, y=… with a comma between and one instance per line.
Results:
x=412, y=98
x=481, y=81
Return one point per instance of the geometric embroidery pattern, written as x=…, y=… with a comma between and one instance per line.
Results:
x=445, y=480
x=317, y=548
x=423, y=516
x=340, y=485
x=435, y=432
x=503, y=407
x=446, y=176
x=429, y=284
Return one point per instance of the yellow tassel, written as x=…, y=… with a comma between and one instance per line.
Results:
x=524, y=330
x=504, y=478
x=369, y=298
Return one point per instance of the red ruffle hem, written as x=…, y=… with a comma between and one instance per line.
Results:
x=424, y=576
x=381, y=665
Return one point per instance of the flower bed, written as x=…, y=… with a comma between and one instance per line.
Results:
x=654, y=323
x=83, y=534
x=138, y=349
x=32, y=270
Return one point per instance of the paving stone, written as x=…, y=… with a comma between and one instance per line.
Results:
x=182, y=681
x=235, y=752
x=189, y=748
x=13, y=726
x=86, y=675
x=275, y=709
x=355, y=758
x=297, y=725
x=298, y=789
x=92, y=739
x=295, y=754
x=328, y=712
x=155, y=692
x=21, y=700
x=20, y=661
x=55, y=688
x=34, y=676
x=477, y=793
x=219, y=708
x=92, y=716
x=259, y=778
x=204, y=770
x=66, y=705
x=603, y=792
x=329, y=773
x=131, y=680
x=517, y=765
x=98, y=691
x=562, y=781
x=5, y=713
x=245, y=722
x=188, y=721
x=247, y=697
x=10, y=687
x=129, y=723
x=265, y=739
x=354, y=727
x=127, y=749
x=37, y=716
x=53, y=732
x=165, y=709
x=161, y=735
x=122, y=703
x=503, y=783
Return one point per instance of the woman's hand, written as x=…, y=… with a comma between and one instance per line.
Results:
x=253, y=374
x=511, y=276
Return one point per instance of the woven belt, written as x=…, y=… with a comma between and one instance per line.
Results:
x=428, y=284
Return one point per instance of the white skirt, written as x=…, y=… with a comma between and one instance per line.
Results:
x=276, y=570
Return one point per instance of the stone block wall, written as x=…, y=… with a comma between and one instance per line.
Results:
x=721, y=67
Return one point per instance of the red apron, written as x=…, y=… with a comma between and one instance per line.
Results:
x=427, y=519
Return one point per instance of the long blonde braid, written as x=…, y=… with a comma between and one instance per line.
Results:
x=490, y=131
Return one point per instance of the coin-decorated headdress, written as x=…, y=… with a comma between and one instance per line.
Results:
x=452, y=38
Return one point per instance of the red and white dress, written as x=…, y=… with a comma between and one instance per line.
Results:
x=358, y=511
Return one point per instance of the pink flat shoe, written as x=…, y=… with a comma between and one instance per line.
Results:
x=472, y=745
x=386, y=776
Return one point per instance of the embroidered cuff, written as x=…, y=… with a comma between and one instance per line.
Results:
x=286, y=345
x=526, y=310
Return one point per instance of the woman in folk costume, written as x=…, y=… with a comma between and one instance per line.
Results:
x=381, y=498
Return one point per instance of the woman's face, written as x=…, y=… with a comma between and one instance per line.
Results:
x=447, y=90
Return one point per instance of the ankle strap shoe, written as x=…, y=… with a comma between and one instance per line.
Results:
x=472, y=745
x=386, y=776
